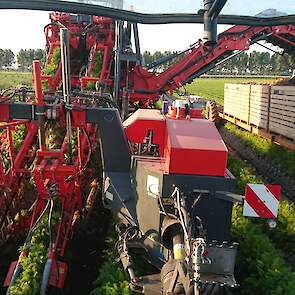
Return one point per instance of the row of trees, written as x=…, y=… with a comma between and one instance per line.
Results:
x=6, y=58
x=262, y=63
x=23, y=59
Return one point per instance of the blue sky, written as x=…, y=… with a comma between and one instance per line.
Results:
x=243, y=7
x=24, y=29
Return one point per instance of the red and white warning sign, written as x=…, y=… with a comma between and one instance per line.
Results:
x=262, y=200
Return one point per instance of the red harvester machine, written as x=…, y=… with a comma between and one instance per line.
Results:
x=164, y=171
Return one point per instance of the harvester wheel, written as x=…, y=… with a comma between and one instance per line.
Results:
x=212, y=290
x=212, y=113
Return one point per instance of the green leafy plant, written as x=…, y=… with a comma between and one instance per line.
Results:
x=283, y=236
x=18, y=136
x=52, y=66
x=112, y=279
x=90, y=86
x=99, y=56
x=29, y=281
x=96, y=70
x=260, y=267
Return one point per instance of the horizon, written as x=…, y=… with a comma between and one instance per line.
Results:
x=30, y=35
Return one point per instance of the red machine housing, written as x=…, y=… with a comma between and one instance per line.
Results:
x=188, y=146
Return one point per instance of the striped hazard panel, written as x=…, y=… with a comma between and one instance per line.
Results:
x=262, y=200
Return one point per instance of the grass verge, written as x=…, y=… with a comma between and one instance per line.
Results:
x=15, y=78
x=213, y=88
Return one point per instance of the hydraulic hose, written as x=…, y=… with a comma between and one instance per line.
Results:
x=15, y=275
x=48, y=264
x=46, y=275
x=18, y=267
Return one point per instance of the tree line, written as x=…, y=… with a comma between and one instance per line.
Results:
x=260, y=63
x=23, y=60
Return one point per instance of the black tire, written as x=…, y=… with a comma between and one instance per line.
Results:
x=212, y=290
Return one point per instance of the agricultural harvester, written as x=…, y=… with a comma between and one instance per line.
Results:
x=164, y=170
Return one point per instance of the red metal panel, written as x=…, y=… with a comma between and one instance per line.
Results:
x=194, y=147
x=58, y=274
x=10, y=273
x=143, y=120
x=262, y=200
x=4, y=112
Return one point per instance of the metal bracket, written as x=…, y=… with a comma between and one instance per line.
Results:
x=230, y=197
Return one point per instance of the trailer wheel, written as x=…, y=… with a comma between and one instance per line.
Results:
x=212, y=113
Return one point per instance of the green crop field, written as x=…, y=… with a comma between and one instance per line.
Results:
x=213, y=88
x=14, y=79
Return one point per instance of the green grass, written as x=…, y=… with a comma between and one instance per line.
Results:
x=15, y=79
x=213, y=88
x=277, y=154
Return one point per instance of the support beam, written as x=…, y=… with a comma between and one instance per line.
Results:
x=66, y=81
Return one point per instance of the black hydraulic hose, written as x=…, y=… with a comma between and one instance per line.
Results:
x=49, y=221
x=7, y=97
x=165, y=59
x=144, y=18
x=34, y=227
x=48, y=264
x=46, y=275
x=216, y=8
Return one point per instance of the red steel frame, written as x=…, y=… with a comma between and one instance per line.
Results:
x=50, y=169
x=147, y=86
x=235, y=38
x=100, y=36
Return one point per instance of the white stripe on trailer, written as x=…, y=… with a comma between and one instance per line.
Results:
x=264, y=194
x=248, y=210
